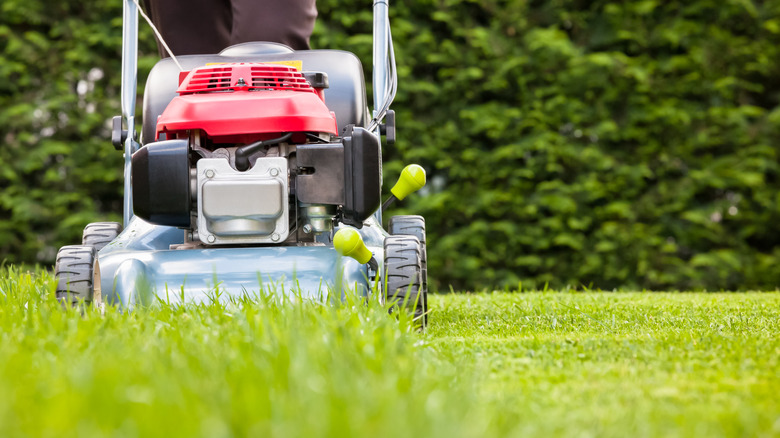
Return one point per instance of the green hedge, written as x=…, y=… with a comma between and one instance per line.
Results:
x=57, y=171
x=606, y=144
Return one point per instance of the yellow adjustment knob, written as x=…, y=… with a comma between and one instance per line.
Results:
x=411, y=180
x=349, y=243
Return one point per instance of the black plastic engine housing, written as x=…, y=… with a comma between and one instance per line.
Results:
x=161, y=183
x=348, y=174
x=362, y=176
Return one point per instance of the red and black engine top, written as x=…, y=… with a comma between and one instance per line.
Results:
x=244, y=103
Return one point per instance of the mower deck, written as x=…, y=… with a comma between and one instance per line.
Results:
x=139, y=268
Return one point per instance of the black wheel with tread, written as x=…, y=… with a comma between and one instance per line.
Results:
x=403, y=275
x=407, y=225
x=78, y=275
x=100, y=234
x=413, y=225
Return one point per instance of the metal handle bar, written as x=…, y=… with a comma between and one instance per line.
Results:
x=129, y=84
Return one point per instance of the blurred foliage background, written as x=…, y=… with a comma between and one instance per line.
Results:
x=607, y=144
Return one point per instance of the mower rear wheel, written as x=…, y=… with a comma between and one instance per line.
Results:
x=413, y=225
x=78, y=275
x=100, y=234
x=403, y=275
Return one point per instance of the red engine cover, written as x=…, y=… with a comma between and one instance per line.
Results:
x=238, y=102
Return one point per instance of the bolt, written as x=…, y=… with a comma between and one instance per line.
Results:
x=210, y=173
x=211, y=238
x=307, y=228
x=275, y=237
x=274, y=172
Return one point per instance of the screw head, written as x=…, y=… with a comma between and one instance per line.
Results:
x=307, y=228
x=275, y=237
x=211, y=238
x=274, y=171
x=210, y=173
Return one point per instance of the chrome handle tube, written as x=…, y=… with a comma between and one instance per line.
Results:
x=380, y=73
x=380, y=66
x=129, y=85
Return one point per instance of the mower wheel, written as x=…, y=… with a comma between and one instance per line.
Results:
x=403, y=275
x=78, y=275
x=413, y=225
x=100, y=234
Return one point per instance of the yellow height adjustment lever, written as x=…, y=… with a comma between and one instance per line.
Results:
x=349, y=243
x=411, y=180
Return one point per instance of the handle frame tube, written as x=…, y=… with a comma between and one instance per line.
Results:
x=129, y=90
x=380, y=78
x=380, y=59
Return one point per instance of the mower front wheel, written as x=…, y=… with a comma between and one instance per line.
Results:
x=78, y=275
x=100, y=234
x=403, y=275
x=413, y=225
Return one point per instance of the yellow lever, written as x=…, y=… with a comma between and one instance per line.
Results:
x=411, y=180
x=349, y=243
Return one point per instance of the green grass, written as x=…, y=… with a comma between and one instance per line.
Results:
x=530, y=364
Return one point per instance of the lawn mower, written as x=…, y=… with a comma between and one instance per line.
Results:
x=257, y=169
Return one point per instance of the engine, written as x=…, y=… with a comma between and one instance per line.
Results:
x=249, y=153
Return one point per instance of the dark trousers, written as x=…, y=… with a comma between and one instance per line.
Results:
x=208, y=26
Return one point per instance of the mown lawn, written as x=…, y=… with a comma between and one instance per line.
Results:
x=516, y=364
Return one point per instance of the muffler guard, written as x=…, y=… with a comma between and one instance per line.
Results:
x=242, y=207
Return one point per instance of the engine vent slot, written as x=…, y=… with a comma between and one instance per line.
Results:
x=244, y=76
x=208, y=79
x=278, y=77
